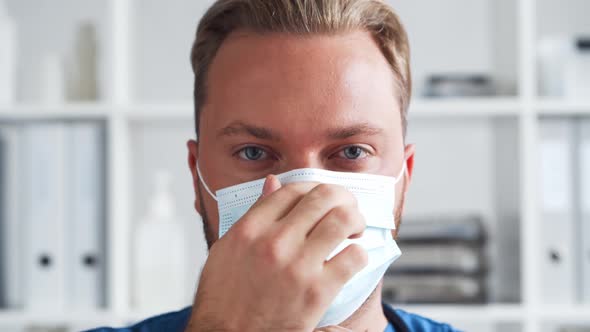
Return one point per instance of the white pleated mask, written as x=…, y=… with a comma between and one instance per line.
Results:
x=375, y=195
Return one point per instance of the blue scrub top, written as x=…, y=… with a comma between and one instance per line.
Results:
x=399, y=321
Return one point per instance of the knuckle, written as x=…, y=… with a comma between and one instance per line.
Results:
x=272, y=251
x=242, y=233
x=302, y=274
x=296, y=275
x=336, y=192
x=315, y=294
x=349, y=219
x=293, y=189
x=358, y=256
x=327, y=190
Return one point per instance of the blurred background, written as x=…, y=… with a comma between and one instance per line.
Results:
x=96, y=200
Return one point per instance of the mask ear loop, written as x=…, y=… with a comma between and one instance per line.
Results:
x=203, y=182
x=401, y=173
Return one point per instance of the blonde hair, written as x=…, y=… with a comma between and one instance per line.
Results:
x=302, y=17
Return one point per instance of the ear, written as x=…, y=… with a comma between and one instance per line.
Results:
x=193, y=156
x=409, y=153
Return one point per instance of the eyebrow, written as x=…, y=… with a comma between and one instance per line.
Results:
x=242, y=128
x=354, y=130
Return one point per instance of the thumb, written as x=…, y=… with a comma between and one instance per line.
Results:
x=271, y=184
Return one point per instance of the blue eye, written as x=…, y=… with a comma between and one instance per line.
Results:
x=353, y=152
x=252, y=153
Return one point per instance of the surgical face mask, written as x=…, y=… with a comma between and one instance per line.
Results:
x=375, y=195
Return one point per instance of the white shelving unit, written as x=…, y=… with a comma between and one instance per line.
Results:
x=123, y=109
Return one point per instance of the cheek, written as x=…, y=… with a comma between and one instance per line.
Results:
x=207, y=208
x=212, y=216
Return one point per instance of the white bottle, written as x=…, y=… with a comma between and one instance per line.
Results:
x=7, y=57
x=160, y=254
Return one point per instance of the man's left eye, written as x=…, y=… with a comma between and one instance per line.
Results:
x=353, y=152
x=252, y=153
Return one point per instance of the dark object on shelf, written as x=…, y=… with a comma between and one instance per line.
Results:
x=583, y=44
x=459, y=85
x=440, y=259
x=443, y=261
x=433, y=289
x=443, y=230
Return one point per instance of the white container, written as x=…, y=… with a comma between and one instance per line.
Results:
x=7, y=57
x=160, y=269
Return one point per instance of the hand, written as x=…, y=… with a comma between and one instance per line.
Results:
x=269, y=271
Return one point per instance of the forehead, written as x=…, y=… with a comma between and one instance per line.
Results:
x=300, y=83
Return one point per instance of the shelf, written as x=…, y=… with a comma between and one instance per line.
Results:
x=73, y=317
x=465, y=107
x=69, y=111
x=468, y=313
x=77, y=111
x=419, y=108
x=14, y=317
x=556, y=107
x=565, y=313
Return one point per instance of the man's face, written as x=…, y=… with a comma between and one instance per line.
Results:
x=278, y=102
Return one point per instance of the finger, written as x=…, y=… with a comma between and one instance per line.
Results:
x=277, y=204
x=345, y=265
x=315, y=205
x=271, y=184
x=338, y=225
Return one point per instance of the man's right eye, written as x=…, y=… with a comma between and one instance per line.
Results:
x=252, y=153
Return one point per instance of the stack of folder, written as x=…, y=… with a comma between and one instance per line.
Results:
x=443, y=261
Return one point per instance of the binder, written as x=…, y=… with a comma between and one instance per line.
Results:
x=584, y=238
x=44, y=150
x=85, y=255
x=3, y=269
x=557, y=224
x=10, y=244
